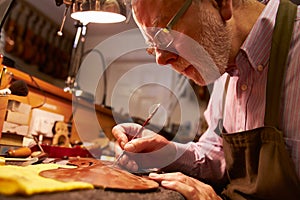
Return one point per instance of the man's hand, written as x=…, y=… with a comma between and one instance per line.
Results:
x=149, y=150
x=189, y=187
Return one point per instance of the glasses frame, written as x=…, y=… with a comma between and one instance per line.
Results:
x=165, y=32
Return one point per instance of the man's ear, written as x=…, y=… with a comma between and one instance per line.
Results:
x=225, y=8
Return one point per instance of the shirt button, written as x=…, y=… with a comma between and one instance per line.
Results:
x=260, y=68
x=244, y=87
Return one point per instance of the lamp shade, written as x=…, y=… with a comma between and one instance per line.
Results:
x=99, y=11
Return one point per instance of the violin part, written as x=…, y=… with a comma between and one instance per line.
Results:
x=101, y=175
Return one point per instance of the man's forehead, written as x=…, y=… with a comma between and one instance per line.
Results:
x=146, y=11
x=154, y=12
x=159, y=4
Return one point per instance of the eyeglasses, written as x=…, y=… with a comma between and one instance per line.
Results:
x=163, y=37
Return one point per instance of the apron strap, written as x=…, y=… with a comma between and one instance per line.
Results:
x=278, y=59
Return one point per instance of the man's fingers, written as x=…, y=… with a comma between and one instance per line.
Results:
x=178, y=176
x=120, y=135
x=191, y=188
x=124, y=132
x=138, y=145
x=130, y=165
x=187, y=191
x=178, y=182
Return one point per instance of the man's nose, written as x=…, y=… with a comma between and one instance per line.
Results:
x=164, y=57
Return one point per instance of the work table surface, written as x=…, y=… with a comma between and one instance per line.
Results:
x=99, y=194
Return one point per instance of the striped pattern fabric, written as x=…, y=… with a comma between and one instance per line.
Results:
x=245, y=101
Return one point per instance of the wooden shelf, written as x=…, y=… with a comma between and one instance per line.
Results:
x=53, y=99
x=40, y=84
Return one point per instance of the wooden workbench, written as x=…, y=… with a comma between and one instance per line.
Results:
x=100, y=194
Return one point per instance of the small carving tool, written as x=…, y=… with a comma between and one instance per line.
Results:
x=139, y=132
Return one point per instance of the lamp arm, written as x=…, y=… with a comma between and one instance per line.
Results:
x=77, y=52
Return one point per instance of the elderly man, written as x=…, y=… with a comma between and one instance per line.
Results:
x=258, y=46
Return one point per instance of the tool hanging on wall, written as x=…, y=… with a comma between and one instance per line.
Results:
x=60, y=33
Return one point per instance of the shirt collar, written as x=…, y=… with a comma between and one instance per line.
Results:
x=257, y=45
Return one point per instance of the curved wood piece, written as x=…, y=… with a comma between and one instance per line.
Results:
x=100, y=175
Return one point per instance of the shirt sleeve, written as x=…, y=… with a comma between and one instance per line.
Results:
x=204, y=159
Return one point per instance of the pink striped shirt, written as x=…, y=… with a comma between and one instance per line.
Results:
x=245, y=101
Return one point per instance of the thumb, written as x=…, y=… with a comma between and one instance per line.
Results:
x=136, y=145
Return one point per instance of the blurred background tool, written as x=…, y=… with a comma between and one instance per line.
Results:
x=18, y=87
x=21, y=152
x=5, y=77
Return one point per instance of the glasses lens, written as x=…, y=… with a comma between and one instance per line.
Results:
x=163, y=38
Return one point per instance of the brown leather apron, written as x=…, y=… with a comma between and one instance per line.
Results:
x=258, y=164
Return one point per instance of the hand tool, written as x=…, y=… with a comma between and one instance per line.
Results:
x=139, y=132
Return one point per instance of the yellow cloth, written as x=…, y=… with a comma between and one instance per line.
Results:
x=26, y=180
